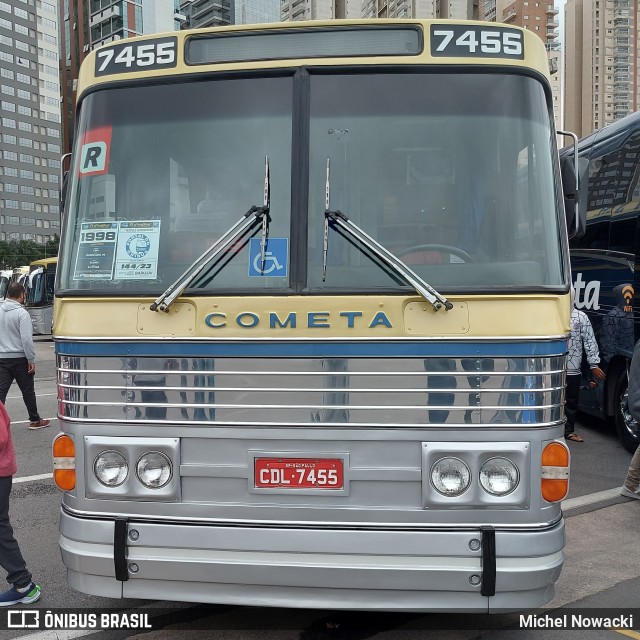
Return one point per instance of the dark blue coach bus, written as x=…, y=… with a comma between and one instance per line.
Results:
x=604, y=262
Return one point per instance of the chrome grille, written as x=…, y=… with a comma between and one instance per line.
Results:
x=253, y=391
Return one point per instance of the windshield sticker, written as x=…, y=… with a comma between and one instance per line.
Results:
x=94, y=152
x=96, y=251
x=131, y=247
x=276, y=255
x=137, y=253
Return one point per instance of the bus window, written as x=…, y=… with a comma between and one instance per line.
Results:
x=602, y=173
x=425, y=173
x=624, y=215
x=162, y=162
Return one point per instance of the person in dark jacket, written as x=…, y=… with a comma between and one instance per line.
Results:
x=17, y=353
x=23, y=589
x=631, y=486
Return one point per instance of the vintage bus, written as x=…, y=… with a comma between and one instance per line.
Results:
x=5, y=279
x=312, y=312
x=40, y=292
x=604, y=263
x=19, y=274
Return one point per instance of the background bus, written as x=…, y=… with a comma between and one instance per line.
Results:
x=312, y=313
x=5, y=279
x=40, y=294
x=20, y=274
x=605, y=264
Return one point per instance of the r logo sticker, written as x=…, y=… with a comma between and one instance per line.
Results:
x=94, y=152
x=92, y=157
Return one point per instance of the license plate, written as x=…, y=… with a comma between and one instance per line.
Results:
x=299, y=473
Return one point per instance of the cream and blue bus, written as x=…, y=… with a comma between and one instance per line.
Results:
x=312, y=311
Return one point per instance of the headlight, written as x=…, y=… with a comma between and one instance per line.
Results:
x=154, y=470
x=111, y=469
x=499, y=476
x=450, y=476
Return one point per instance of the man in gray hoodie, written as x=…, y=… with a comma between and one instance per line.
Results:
x=17, y=353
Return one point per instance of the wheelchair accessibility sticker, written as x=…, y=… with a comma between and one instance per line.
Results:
x=276, y=255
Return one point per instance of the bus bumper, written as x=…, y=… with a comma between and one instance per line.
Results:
x=364, y=569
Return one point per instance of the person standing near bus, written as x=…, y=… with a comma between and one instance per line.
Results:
x=17, y=353
x=23, y=589
x=582, y=338
x=631, y=486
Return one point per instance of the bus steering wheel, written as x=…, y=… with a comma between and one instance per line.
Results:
x=441, y=248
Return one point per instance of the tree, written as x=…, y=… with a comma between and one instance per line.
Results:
x=51, y=247
x=17, y=253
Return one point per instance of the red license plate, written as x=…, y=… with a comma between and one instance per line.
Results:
x=299, y=473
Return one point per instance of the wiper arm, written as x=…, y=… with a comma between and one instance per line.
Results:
x=266, y=218
x=248, y=220
x=325, y=240
x=437, y=300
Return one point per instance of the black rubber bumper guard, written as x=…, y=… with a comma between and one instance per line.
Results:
x=120, y=531
x=488, y=561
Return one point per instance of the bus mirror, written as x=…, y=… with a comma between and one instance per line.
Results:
x=574, y=175
x=574, y=189
x=569, y=191
x=64, y=182
x=63, y=190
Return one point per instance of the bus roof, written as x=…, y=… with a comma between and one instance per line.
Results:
x=472, y=44
x=614, y=131
x=44, y=262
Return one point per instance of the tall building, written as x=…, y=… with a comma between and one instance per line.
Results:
x=29, y=121
x=256, y=11
x=601, y=62
x=541, y=18
x=86, y=24
x=207, y=13
x=330, y=9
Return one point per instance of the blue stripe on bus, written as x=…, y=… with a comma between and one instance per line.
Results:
x=313, y=349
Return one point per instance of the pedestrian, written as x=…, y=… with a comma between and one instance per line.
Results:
x=23, y=589
x=631, y=486
x=582, y=338
x=17, y=353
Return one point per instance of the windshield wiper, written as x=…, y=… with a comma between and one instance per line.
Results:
x=397, y=266
x=248, y=220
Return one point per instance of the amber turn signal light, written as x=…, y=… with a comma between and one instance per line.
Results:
x=555, y=471
x=64, y=462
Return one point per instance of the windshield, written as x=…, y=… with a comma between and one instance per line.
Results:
x=444, y=171
x=41, y=287
x=440, y=169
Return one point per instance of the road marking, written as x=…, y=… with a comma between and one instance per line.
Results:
x=42, y=476
x=592, y=498
x=627, y=632
x=27, y=421
x=37, y=394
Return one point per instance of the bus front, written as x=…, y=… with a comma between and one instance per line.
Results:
x=311, y=320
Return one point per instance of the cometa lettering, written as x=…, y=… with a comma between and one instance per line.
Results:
x=294, y=320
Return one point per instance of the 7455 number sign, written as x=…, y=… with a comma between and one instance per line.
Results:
x=155, y=53
x=466, y=41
